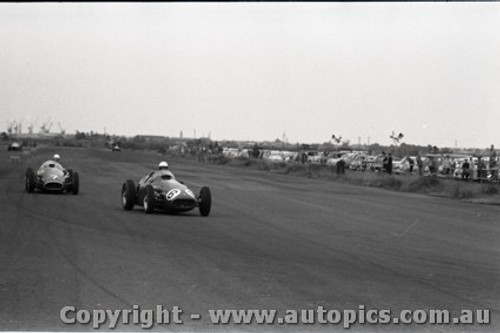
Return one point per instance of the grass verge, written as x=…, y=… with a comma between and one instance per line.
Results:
x=429, y=185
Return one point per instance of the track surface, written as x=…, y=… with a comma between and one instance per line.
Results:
x=271, y=242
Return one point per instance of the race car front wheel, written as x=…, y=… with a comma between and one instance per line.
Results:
x=149, y=199
x=128, y=195
x=75, y=183
x=205, y=199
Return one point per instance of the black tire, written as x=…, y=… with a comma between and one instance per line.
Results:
x=30, y=180
x=69, y=187
x=75, y=183
x=149, y=200
x=128, y=195
x=205, y=201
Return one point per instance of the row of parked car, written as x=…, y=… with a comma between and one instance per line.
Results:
x=446, y=165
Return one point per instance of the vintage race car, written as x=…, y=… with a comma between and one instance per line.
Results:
x=160, y=190
x=16, y=146
x=52, y=177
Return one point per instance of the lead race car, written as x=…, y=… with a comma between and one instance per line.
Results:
x=52, y=177
x=161, y=190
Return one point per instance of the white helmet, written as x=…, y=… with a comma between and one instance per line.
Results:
x=56, y=157
x=163, y=165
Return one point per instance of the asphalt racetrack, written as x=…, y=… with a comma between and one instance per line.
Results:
x=272, y=241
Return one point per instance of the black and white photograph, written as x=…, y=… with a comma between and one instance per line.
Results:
x=250, y=166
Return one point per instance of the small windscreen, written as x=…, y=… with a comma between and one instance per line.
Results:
x=166, y=177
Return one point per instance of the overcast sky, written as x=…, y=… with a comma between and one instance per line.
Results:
x=254, y=71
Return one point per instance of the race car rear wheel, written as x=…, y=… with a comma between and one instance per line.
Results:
x=149, y=199
x=128, y=195
x=30, y=180
x=205, y=201
x=75, y=183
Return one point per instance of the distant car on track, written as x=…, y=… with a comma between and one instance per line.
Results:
x=52, y=177
x=15, y=146
x=161, y=190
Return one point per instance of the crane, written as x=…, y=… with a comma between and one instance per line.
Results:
x=20, y=127
x=45, y=128
x=10, y=126
x=63, y=131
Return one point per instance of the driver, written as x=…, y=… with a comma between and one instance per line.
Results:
x=163, y=165
x=162, y=169
x=56, y=158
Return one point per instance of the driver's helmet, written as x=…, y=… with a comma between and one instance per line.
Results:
x=56, y=157
x=163, y=166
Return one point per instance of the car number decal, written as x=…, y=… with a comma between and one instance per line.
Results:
x=172, y=194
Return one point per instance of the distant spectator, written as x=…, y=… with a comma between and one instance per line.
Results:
x=473, y=169
x=412, y=163
x=431, y=164
x=453, y=166
x=447, y=165
x=218, y=149
x=341, y=166
x=202, y=154
x=384, y=162
x=420, y=165
x=427, y=164
x=434, y=165
x=493, y=163
x=481, y=169
x=304, y=158
x=255, y=152
x=466, y=170
x=389, y=164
